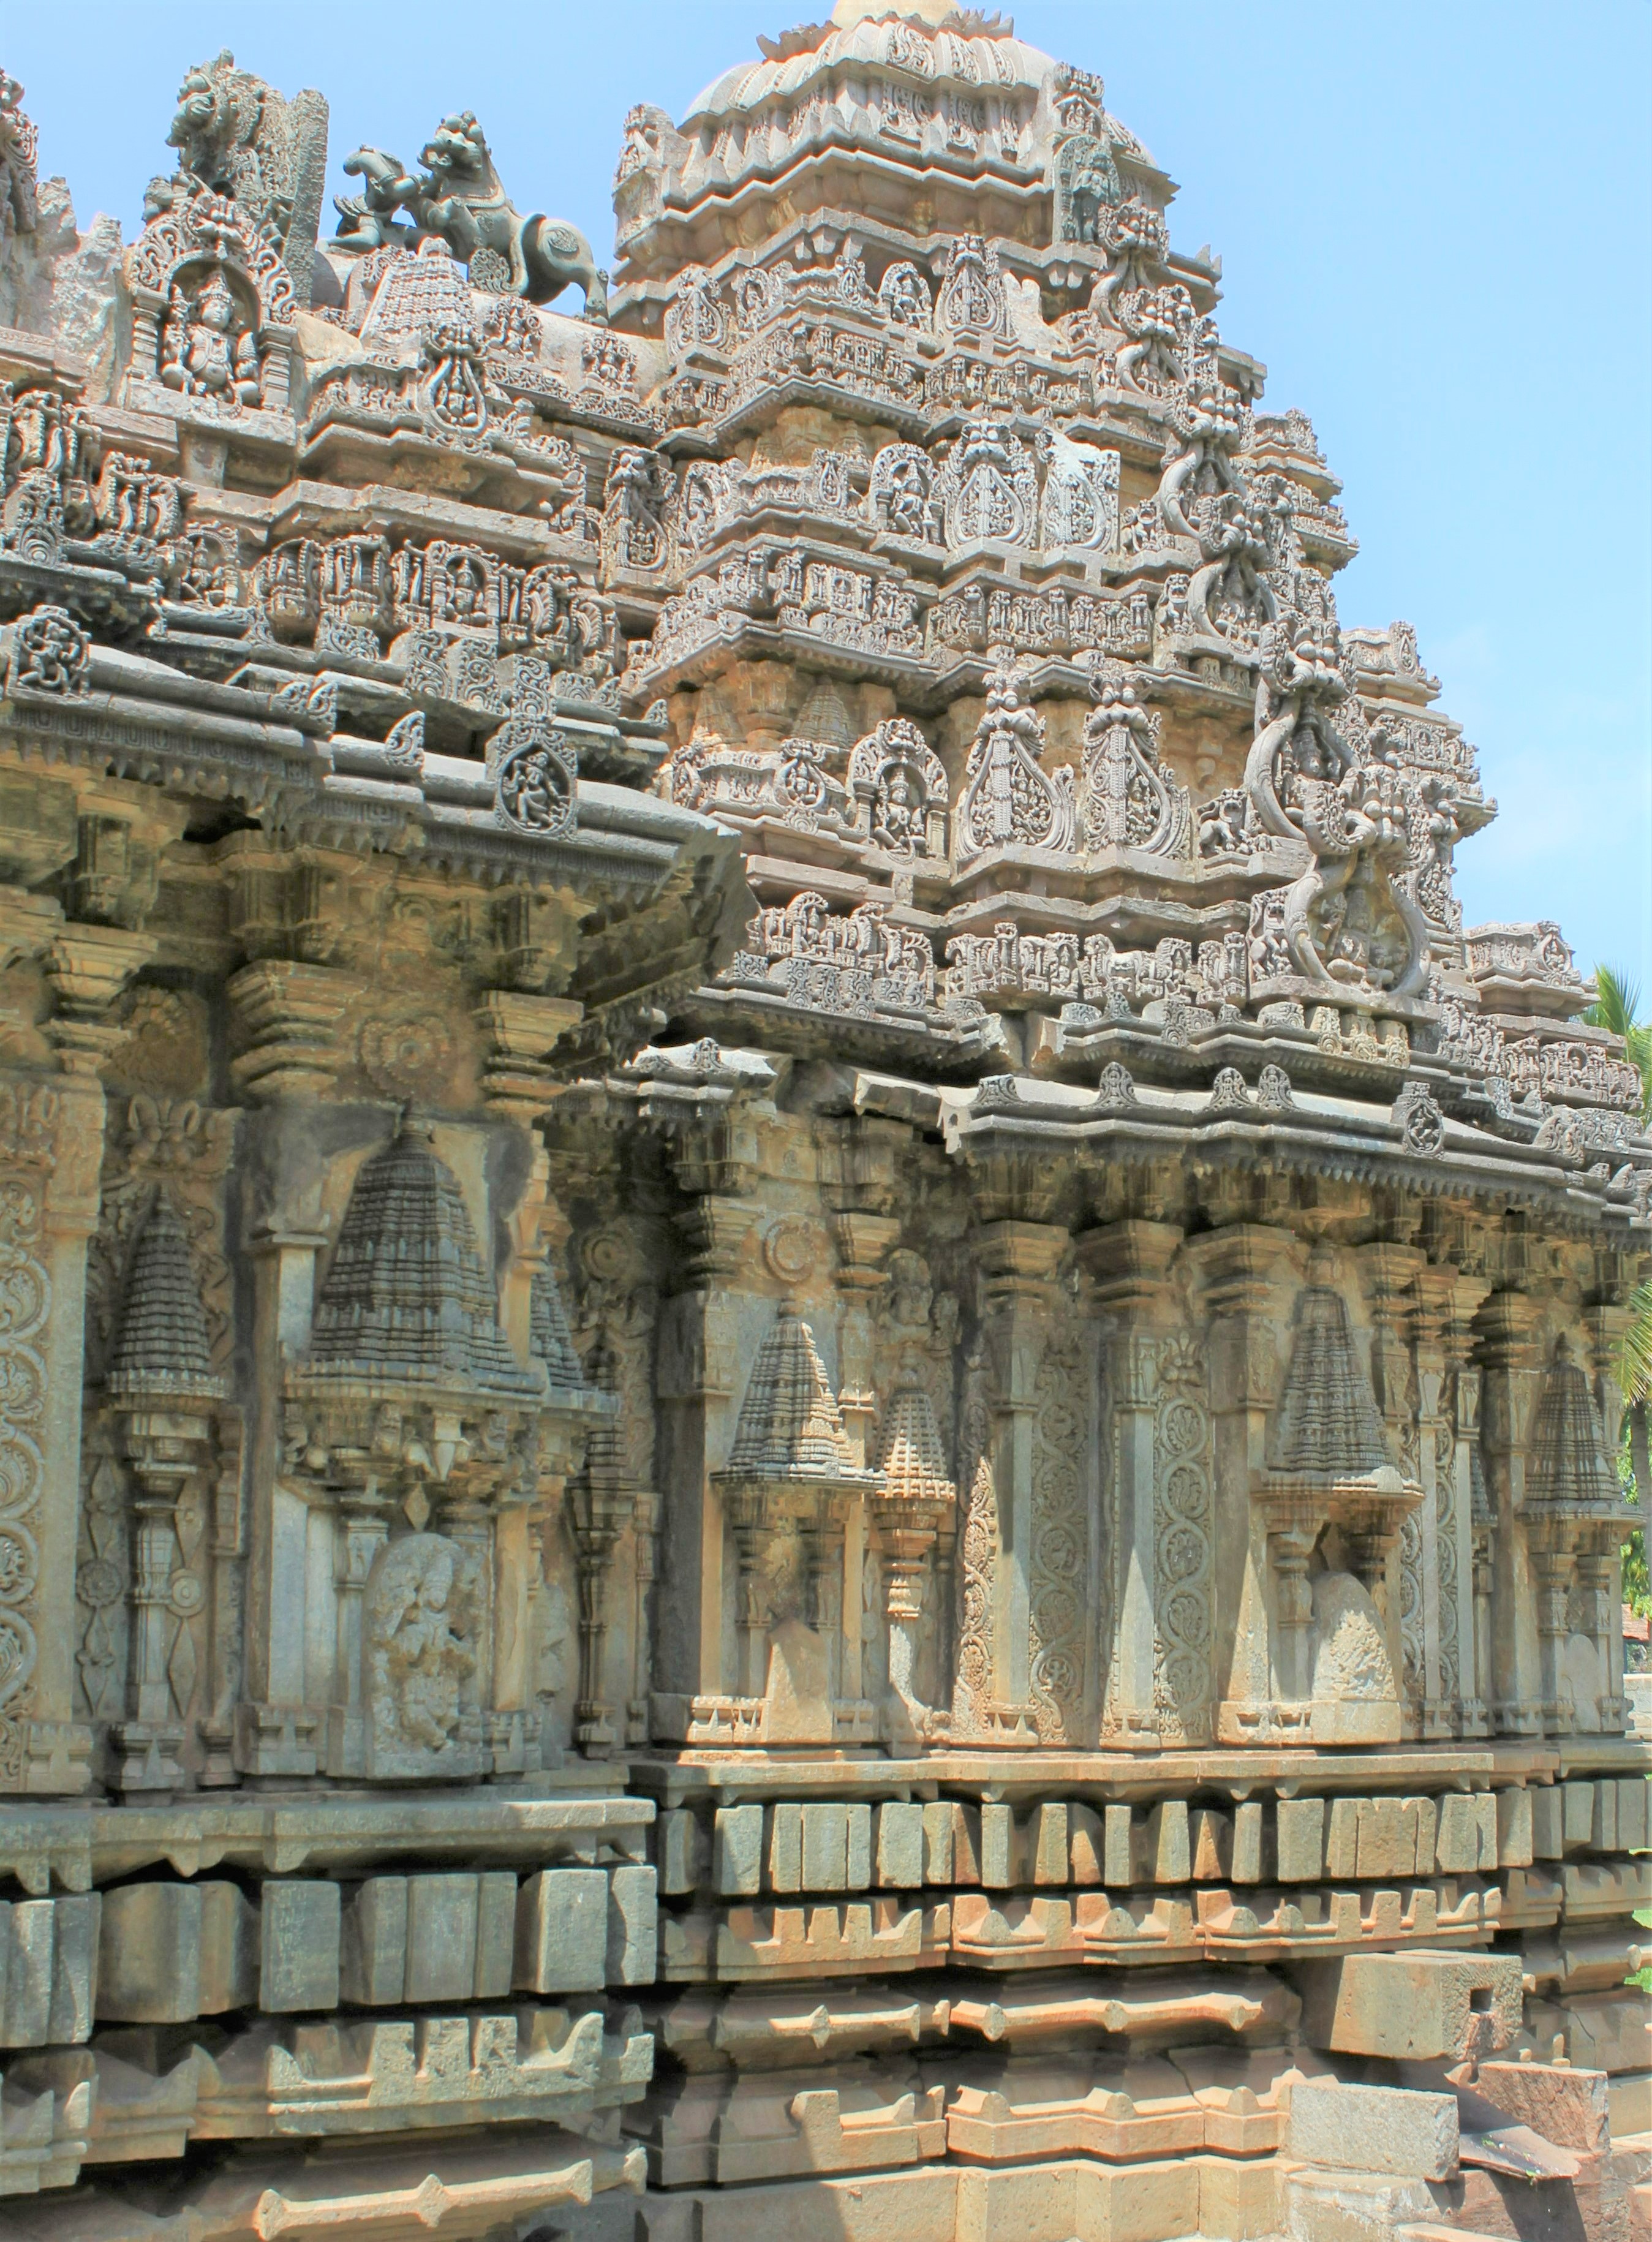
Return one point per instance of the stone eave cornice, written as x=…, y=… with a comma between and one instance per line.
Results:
x=714, y=203
x=68, y=1844
x=685, y=1777
x=1151, y=1130
x=307, y=507
x=189, y=736
x=1314, y=1135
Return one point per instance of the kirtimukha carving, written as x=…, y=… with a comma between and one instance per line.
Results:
x=808, y=1400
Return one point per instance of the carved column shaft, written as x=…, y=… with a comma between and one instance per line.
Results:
x=1128, y=1264
x=50, y=1147
x=1241, y=1267
x=1019, y=1260
x=1521, y=1672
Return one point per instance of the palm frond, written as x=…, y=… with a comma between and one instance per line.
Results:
x=1617, y=1001
x=1635, y=1354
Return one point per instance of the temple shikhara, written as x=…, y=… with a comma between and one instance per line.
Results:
x=808, y=1397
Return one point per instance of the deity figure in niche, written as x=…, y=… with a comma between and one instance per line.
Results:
x=208, y=348
x=420, y=1647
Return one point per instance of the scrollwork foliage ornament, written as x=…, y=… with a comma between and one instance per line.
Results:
x=28, y=1131
x=1060, y=1553
x=1008, y=800
x=1182, y=1547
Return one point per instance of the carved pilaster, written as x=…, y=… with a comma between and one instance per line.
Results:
x=50, y=1146
x=997, y=1700
x=1128, y=1265
x=1389, y=1271
x=1509, y=1356
x=1241, y=1269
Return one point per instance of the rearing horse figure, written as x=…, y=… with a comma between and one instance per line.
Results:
x=461, y=197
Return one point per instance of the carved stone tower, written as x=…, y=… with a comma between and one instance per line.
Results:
x=808, y=1408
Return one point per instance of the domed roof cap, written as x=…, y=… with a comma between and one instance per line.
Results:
x=931, y=41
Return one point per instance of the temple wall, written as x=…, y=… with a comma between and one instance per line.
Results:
x=808, y=1401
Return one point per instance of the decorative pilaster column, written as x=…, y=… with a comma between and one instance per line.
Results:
x=997, y=1701
x=1241, y=1268
x=52, y=1130
x=1388, y=1271
x=1606, y=1323
x=863, y=1240
x=1128, y=1266
x=645, y=1541
x=1509, y=1355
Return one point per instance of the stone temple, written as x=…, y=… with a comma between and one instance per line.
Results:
x=807, y=1396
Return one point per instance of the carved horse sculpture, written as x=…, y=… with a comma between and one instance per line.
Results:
x=461, y=197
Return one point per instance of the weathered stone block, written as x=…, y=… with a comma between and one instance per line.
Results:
x=1300, y=1823
x=228, y=1954
x=1577, y=1808
x=1467, y=1840
x=373, y=1955
x=299, y=1925
x=1251, y=1864
x=1373, y=2129
x=148, y=1947
x=785, y=1847
x=1549, y=1822
x=1118, y=1871
x=680, y=1846
x=825, y=1847
x=633, y=1926
x=1566, y=2106
x=496, y=1932
x=562, y=1931
x=1421, y=2006
x=441, y=1939
x=1168, y=1848
x=899, y=1844
x=1634, y=1813
x=47, y=1970
x=998, y=1847
x=1515, y=1829
x=1347, y=2207
x=1343, y=1838
x=737, y=1851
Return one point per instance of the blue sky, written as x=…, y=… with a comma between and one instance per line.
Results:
x=1436, y=228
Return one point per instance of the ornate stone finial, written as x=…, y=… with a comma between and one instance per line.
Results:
x=790, y=1426
x=1327, y=1419
x=1569, y=1464
x=406, y=1295
x=162, y=1347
